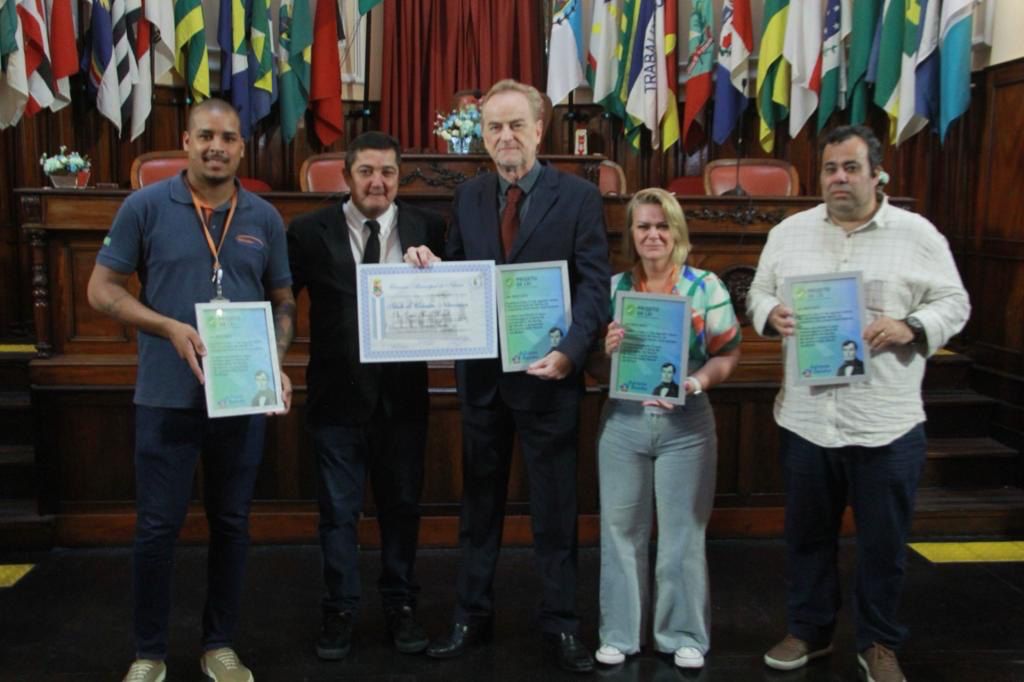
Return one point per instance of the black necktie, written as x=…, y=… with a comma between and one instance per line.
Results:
x=371, y=252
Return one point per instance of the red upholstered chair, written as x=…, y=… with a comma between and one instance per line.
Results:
x=686, y=185
x=152, y=167
x=757, y=177
x=323, y=173
x=611, y=178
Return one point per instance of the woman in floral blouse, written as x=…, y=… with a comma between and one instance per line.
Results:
x=654, y=455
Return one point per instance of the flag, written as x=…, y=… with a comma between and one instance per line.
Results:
x=37, y=55
x=294, y=47
x=160, y=14
x=366, y=5
x=802, y=49
x=890, y=52
x=124, y=56
x=670, y=116
x=234, y=59
x=142, y=100
x=565, y=50
x=954, y=62
x=735, y=43
x=262, y=74
x=13, y=79
x=920, y=40
x=865, y=17
x=772, y=73
x=926, y=73
x=325, y=75
x=603, y=56
x=63, y=51
x=100, y=63
x=627, y=36
x=191, y=59
x=649, y=100
x=698, y=65
x=833, y=58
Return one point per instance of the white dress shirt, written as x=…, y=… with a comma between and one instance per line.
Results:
x=907, y=269
x=358, y=233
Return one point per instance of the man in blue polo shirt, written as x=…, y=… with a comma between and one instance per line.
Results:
x=190, y=238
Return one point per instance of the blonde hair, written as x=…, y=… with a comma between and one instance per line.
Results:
x=511, y=85
x=656, y=196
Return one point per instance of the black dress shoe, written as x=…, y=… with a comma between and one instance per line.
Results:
x=409, y=637
x=463, y=635
x=570, y=654
x=335, y=635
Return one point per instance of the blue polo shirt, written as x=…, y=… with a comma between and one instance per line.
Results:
x=157, y=234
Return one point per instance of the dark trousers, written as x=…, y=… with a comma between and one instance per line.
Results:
x=548, y=445
x=391, y=451
x=168, y=443
x=879, y=484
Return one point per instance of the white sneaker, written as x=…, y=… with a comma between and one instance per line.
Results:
x=146, y=670
x=609, y=655
x=688, y=657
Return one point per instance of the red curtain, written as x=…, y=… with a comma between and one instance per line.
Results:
x=434, y=48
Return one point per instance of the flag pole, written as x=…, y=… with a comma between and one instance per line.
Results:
x=365, y=113
x=570, y=117
x=737, y=190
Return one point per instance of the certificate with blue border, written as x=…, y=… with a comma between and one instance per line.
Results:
x=651, y=363
x=534, y=311
x=241, y=371
x=828, y=346
x=442, y=312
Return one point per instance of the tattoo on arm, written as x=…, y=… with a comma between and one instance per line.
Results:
x=284, y=325
x=110, y=307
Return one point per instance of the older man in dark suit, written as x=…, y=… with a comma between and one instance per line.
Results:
x=526, y=212
x=364, y=418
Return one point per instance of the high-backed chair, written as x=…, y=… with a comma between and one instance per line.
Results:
x=757, y=177
x=686, y=185
x=323, y=173
x=611, y=178
x=151, y=167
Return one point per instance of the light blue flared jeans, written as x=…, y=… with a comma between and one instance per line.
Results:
x=651, y=459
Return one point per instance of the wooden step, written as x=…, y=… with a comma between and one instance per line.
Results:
x=17, y=472
x=15, y=418
x=14, y=359
x=970, y=462
x=947, y=370
x=957, y=413
x=996, y=511
x=21, y=526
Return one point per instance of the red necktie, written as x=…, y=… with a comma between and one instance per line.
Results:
x=510, y=218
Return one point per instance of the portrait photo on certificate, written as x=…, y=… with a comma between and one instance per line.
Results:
x=534, y=311
x=241, y=369
x=652, y=361
x=827, y=347
x=442, y=312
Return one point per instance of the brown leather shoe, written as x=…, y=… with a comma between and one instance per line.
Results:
x=792, y=653
x=880, y=665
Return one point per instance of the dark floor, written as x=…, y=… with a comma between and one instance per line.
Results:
x=69, y=620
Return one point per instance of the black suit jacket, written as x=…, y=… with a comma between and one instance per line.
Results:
x=341, y=389
x=565, y=221
x=856, y=363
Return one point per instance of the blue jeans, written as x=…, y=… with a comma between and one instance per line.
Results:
x=663, y=461
x=879, y=484
x=167, y=447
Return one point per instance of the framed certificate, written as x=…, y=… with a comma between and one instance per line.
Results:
x=651, y=362
x=827, y=347
x=534, y=311
x=441, y=312
x=241, y=368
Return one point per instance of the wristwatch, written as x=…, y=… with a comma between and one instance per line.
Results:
x=915, y=326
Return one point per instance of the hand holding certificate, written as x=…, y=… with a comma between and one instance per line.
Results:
x=652, y=360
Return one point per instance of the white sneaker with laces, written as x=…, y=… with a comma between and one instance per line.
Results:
x=688, y=657
x=222, y=665
x=609, y=655
x=146, y=670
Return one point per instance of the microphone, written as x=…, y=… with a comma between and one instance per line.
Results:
x=737, y=190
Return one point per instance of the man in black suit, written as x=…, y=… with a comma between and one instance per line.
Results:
x=851, y=363
x=667, y=388
x=363, y=418
x=526, y=212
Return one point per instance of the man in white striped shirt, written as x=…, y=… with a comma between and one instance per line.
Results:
x=860, y=443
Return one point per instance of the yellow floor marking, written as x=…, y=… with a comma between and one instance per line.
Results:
x=964, y=552
x=17, y=348
x=12, y=573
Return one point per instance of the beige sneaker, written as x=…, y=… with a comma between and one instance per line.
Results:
x=880, y=665
x=792, y=653
x=146, y=670
x=222, y=665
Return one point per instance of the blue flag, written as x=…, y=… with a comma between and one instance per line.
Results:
x=234, y=64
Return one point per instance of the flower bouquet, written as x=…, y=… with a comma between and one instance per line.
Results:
x=66, y=169
x=460, y=129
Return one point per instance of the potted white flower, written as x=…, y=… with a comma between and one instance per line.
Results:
x=66, y=170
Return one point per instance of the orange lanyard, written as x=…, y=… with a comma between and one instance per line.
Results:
x=640, y=280
x=218, y=273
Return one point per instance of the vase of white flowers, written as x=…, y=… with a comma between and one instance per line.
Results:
x=66, y=170
x=460, y=129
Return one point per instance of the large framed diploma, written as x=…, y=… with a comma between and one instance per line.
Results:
x=241, y=368
x=651, y=362
x=534, y=311
x=827, y=347
x=441, y=312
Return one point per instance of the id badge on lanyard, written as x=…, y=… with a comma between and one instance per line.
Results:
x=218, y=272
